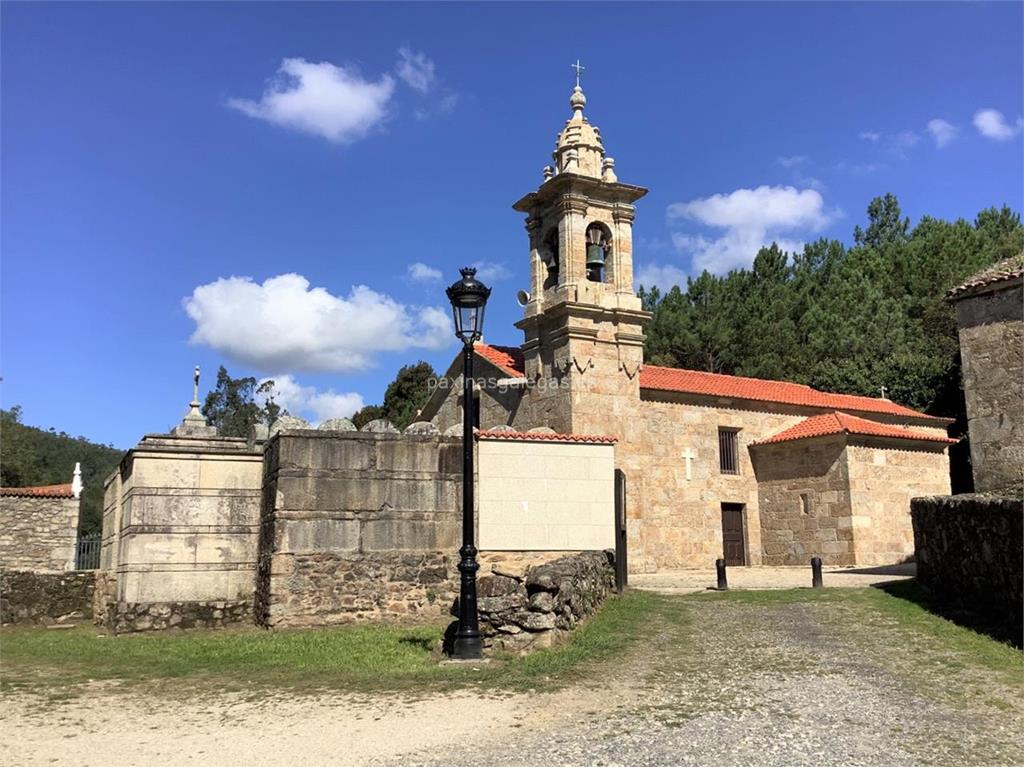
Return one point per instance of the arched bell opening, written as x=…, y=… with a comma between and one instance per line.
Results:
x=599, y=247
x=552, y=259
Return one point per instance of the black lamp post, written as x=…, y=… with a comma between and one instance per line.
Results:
x=468, y=297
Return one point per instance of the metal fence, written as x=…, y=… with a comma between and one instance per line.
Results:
x=87, y=552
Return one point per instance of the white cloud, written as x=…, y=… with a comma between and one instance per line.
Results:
x=284, y=324
x=310, y=403
x=490, y=271
x=662, y=276
x=415, y=70
x=991, y=123
x=323, y=99
x=943, y=132
x=792, y=161
x=869, y=135
x=751, y=219
x=420, y=272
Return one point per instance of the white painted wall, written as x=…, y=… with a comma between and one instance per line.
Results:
x=545, y=496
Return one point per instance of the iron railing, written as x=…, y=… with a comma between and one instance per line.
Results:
x=87, y=552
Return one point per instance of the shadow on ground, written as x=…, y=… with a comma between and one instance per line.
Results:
x=910, y=591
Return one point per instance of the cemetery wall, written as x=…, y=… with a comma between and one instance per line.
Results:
x=180, y=530
x=357, y=526
x=548, y=496
x=38, y=533
x=991, y=329
x=969, y=559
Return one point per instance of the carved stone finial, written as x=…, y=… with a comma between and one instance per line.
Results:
x=76, y=481
x=608, y=170
x=549, y=172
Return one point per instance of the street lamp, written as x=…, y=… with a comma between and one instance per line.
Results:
x=468, y=297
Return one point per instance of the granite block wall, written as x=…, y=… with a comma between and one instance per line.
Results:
x=38, y=533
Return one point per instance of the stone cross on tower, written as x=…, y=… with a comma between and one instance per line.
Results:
x=884, y=391
x=194, y=424
x=579, y=68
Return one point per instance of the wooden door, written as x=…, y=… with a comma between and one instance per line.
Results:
x=732, y=533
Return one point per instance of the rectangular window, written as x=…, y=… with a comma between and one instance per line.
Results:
x=728, y=451
x=805, y=503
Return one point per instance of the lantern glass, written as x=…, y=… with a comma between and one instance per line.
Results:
x=468, y=297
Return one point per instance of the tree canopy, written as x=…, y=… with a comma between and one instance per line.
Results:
x=234, y=405
x=33, y=457
x=403, y=399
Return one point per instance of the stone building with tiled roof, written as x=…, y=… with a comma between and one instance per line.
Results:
x=762, y=472
x=990, y=322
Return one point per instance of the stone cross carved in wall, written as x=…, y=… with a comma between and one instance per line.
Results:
x=688, y=456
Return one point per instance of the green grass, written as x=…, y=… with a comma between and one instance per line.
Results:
x=359, y=658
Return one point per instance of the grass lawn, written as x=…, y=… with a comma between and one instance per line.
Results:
x=376, y=658
x=357, y=658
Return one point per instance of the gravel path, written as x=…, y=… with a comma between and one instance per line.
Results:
x=776, y=686
x=696, y=580
x=722, y=683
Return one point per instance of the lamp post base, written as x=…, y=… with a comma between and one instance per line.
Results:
x=467, y=649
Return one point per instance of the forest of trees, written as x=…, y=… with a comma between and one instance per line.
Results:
x=30, y=456
x=843, y=319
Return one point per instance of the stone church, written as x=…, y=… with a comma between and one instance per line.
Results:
x=764, y=472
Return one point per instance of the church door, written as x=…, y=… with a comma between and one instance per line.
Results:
x=732, y=533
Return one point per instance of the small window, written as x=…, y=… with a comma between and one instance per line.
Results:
x=728, y=451
x=551, y=259
x=805, y=503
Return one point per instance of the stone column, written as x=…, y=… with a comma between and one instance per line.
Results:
x=622, y=250
x=572, y=240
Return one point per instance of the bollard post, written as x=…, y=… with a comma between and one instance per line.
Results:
x=723, y=584
x=816, y=573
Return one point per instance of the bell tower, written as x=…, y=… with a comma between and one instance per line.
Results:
x=583, y=324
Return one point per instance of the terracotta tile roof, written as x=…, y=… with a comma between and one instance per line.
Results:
x=762, y=390
x=843, y=423
x=1007, y=269
x=507, y=358
x=522, y=436
x=510, y=360
x=48, y=491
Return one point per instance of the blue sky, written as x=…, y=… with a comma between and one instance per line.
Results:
x=341, y=161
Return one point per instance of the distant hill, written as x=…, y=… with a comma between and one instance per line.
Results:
x=30, y=456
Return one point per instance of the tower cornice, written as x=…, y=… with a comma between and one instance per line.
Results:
x=595, y=190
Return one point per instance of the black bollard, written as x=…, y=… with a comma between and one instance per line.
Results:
x=816, y=573
x=723, y=584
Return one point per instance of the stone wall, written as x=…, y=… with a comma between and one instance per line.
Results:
x=358, y=526
x=804, y=502
x=180, y=521
x=884, y=477
x=538, y=495
x=991, y=332
x=45, y=598
x=129, y=617
x=531, y=611
x=969, y=559
x=38, y=533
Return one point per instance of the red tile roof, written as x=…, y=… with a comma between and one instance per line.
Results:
x=48, y=491
x=761, y=390
x=843, y=423
x=508, y=358
x=593, y=439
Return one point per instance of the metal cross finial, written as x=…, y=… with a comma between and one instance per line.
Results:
x=195, y=385
x=578, y=69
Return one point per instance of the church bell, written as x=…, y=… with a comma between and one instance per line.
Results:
x=595, y=256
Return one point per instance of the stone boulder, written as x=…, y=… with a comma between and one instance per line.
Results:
x=380, y=426
x=541, y=430
x=288, y=422
x=422, y=428
x=455, y=430
x=337, y=424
